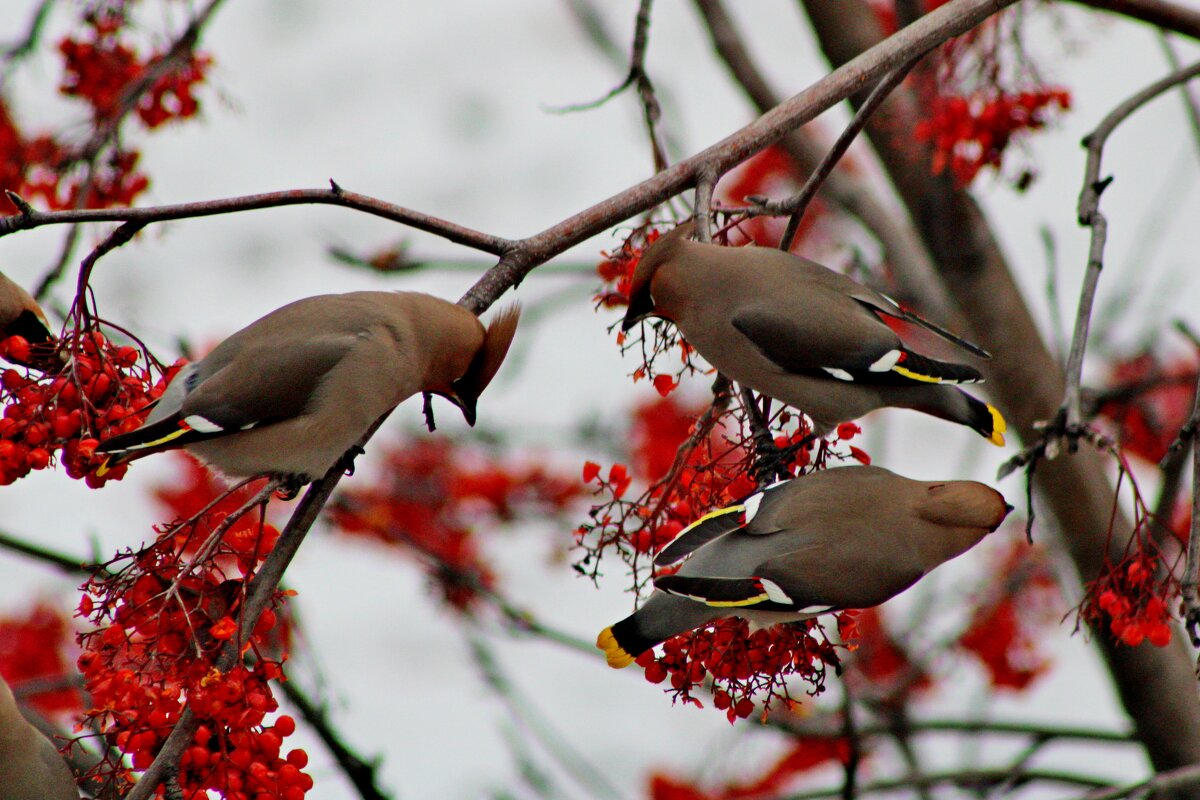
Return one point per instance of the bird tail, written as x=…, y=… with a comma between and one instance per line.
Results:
x=616, y=644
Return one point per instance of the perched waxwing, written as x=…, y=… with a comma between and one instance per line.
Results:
x=20, y=315
x=30, y=766
x=848, y=537
x=801, y=333
x=291, y=393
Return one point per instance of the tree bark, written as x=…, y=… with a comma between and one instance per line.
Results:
x=1156, y=685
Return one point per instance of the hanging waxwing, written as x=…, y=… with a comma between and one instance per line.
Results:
x=20, y=315
x=848, y=537
x=801, y=333
x=291, y=393
x=30, y=766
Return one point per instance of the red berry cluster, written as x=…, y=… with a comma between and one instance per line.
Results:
x=161, y=624
x=741, y=665
x=33, y=647
x=1020, y=604
x=1149, y=400
x=1135, y=602
x=99, y=391
x=803, y=755
x=971, y=132
x=432, y=496
x=100, y=68
x=29, y=166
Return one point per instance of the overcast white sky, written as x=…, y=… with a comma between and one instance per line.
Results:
x=442, y=107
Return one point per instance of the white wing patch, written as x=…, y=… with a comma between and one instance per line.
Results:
x=885, y=362
x=202, y=425
x=774, y=592
x=840, y=374
x=751, y=505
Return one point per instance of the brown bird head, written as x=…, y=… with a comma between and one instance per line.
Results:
x=464, y=391
x=641, y=303
x=966, y=510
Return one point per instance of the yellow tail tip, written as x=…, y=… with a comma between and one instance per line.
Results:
x=616, y=655
x=999, y=426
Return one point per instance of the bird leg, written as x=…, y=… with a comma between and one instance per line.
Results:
x=347, y=462
x=290, y=485
x=427, y=410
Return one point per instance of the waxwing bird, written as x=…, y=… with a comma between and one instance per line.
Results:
x=848, y=537
x=291, y=393
x=30, y=766
x=801, y=333
x=20, y=315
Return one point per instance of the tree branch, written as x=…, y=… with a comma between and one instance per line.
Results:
x=1171, y=16
x=1090, y=215
x=28, y=218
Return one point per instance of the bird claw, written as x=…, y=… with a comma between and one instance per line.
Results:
x=290, y=486
x=348, y=459
x=427, y=410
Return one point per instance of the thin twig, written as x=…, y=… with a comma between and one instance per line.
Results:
x=1090, y=215
x=976, y=779
x=30, y=218
x=799, y=203
x=1160, y=785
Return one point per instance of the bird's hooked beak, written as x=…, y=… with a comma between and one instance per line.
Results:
x=641, y=305
x=466, y=403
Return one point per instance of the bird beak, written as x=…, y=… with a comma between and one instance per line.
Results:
x=641, y=305
x=466, y=404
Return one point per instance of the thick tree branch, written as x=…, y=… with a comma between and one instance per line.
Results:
x=1156, y=685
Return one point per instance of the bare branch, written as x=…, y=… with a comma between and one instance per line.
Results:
x=1090, y=215
x=334, y=196
x=1171, y=16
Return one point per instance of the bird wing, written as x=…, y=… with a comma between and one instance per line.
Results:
x=256, y=385
x=850, y=344
x=759, y=592
x=742, y=517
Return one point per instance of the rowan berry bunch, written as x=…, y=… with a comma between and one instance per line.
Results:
x=1135, y=599
x=742, y=668
x=96, y=389
x=971, y=132
x=104, y=68
x=1149, y=398
x=1011, y=615
x=982, y=93
x=432, y=497
x=36, y=647
x=804, y=754
x=162, y=619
